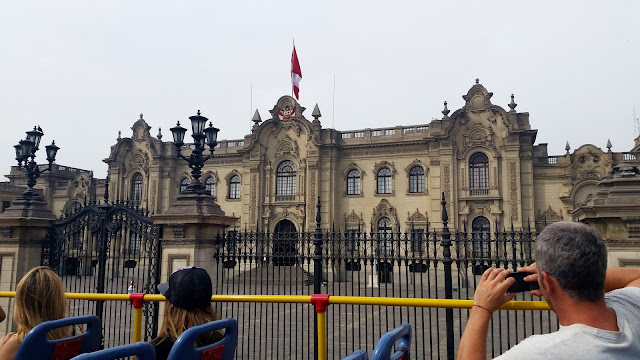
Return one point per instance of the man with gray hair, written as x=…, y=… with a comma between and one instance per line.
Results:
x=571, y=269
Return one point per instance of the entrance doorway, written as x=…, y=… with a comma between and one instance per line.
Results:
x=285, y=241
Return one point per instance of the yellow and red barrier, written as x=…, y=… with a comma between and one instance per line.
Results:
x=320, y=301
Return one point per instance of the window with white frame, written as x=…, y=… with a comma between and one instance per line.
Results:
x=479, y=174
x=416, y=179
x=385, y=236
x=234, y=187
x=136, y=187
x=286, y=178
x=353, y=182
x=384, y=181
x=210, y=186
x=184, y=184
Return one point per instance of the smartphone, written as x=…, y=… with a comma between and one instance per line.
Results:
x=520, y=285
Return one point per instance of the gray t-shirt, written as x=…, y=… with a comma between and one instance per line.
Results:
x=580, y=341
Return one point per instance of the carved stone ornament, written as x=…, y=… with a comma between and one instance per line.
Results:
x=379, y=165
x=417, y=217
x=7, y=231
x=633, y=227
x=478, y=99
x=177, y=230
x=286, y=146
x=513, y=190
x=384, y=209
x=279, y=126
x=353, y=218
x=477, y=135
x=589, y=174
x=138, y=160
x=549, y=215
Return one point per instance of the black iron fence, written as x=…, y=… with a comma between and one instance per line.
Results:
x=107, y=248
x=417, y=263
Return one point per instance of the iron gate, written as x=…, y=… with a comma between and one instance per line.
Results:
x=106, y=248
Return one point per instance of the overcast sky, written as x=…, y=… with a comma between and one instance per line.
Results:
x=83, y=70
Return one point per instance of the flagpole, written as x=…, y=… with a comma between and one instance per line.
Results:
x=293, y=40
x=333, y=105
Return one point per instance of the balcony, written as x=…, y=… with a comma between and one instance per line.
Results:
x=285, y=197
x=479, y=192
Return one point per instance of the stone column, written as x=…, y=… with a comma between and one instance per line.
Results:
x=23, y=227
x=189, y=231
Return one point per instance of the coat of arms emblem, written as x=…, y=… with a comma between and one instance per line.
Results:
x=285, y=113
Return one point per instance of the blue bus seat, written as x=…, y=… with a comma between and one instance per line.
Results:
x=225, y=349
x=357, y=355
x=401, y=337
x=36, y=345
x=142, y=350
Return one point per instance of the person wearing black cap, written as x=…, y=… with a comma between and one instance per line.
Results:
x=188, y=294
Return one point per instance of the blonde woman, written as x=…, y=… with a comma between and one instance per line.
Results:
x=39, y=297
x=188, y=294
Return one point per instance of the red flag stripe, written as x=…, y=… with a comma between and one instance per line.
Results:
x=296, y=73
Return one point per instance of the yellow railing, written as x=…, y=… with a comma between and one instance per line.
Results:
x=321, y=302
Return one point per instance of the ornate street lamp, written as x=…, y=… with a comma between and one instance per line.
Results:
x=196, y=160
x=25, y=155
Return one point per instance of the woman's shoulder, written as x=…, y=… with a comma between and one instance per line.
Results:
x=9, y=346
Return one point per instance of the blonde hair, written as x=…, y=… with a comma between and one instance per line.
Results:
x=177, y=320
x=40, y=297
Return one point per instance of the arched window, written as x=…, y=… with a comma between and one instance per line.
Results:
x=481, y=236
x=184, y=184
x=384, y=181
x=210, y=186
x=416, y=179
x=384, y=236
x=286, y=178
x=353, y=182
x=234, y=187
x=479, y=174
x=136, y=187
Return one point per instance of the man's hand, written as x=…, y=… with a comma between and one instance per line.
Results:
x=533, y=269
x=491, y=292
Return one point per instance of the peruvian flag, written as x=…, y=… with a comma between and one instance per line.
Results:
x=296, y=73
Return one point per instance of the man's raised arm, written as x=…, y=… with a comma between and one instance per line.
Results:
x=618, y=278
x=490, y=294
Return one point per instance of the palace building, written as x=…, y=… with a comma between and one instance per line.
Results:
x=482, y=157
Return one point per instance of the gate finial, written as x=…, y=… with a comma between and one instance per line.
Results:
x=106, y=191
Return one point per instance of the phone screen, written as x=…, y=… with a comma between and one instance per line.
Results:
x=520, y=285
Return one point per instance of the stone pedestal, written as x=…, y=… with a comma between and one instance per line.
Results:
x=614, y=212
x=23, y=227
x=189, y=231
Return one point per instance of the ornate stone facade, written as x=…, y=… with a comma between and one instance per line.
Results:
x=482, y=156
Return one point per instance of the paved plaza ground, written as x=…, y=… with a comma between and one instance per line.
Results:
x=286, y=331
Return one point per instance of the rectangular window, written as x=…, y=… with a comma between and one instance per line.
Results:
x=232, y=237
x=417, y=240
x=376, y=133
x=389, y=132
x=77, y=244
x=346, y=135
x=352, y=240
x=135, y=243
x=353, y=186
x=358, y=134
x=384, y=185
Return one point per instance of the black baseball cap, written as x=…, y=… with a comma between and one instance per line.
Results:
x=188, y=288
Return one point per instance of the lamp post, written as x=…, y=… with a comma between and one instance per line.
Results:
x=25, y=155
x=196, y=160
